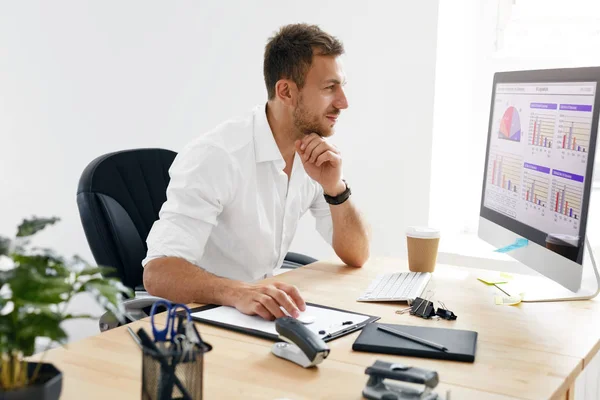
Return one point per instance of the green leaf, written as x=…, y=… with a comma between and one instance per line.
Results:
x=43, y=264
x=31, y=226
x=79, y=316
x=109, y=294
x=102, y=288
x=44, y=324
x=29, y=286
x=4, y=246
x=90, y=271
x=6, y=276
x=9, y=334
x=79, y=260
x=45, y=254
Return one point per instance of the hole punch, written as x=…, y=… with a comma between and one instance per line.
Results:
x=388, y=381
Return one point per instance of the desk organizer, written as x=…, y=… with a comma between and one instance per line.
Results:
x=173, y=374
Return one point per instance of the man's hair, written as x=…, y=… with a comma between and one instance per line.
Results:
x=289, y=54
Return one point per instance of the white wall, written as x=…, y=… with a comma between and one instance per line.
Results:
x=79, y=79
x=461, y=108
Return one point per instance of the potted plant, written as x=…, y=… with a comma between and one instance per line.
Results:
x=36, y=286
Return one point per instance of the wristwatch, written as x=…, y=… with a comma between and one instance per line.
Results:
x=340, y=198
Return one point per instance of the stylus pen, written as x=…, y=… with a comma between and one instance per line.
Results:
x=413, y=338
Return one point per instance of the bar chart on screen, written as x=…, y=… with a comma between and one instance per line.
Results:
x=503, y=182
x=541, y=133
x=565, y=201
x=536, y=187
x=510, y=125
x=505, y=171
x=573, y=137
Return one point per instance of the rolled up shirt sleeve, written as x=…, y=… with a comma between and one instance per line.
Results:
x=322, y=213
x=202, y=183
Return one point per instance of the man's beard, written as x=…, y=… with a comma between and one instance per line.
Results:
x=307, y=123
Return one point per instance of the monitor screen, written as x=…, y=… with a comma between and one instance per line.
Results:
x=539, y=161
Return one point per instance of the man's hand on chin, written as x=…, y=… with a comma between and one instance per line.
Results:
x=322, y=162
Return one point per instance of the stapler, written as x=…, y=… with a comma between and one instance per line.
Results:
x=301, y=346
x=379, y=389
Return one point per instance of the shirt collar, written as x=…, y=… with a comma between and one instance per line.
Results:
x=265, y=147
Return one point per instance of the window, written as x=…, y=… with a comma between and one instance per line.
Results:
x=476, y=39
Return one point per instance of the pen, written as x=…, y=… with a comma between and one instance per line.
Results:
x=413, y=338
x=135, y=337
x=341, y=331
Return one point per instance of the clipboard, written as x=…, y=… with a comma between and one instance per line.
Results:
x=232, y=319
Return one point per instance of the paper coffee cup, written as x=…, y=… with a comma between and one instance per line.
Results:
x=422, y=244
x=565, y=245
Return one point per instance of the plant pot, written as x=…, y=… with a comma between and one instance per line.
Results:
x=47, y=386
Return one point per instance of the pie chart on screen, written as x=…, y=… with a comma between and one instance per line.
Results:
x=510, y=125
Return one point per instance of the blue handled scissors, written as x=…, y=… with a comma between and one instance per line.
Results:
x=170, y=331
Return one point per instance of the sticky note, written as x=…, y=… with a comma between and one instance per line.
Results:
x=492, y=281
x=495, y=278
x=507, y=300
x=521, y=242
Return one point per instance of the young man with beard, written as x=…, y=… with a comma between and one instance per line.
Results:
x=237, y=193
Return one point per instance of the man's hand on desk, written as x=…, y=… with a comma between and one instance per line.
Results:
x=178, y=280
x=265, y=300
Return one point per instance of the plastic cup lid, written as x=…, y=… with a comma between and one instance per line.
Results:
x=422, y=232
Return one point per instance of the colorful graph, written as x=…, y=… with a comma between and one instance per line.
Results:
x=504, y=171
x=541, y=130
x=566, y=199
x=574, y=133
x=535, y=188
x=510, y=125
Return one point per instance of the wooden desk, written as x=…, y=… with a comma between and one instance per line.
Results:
x=531, y=351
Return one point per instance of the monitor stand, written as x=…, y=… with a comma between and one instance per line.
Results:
x=538, y=289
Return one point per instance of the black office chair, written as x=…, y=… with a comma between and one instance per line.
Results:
x=119, y=197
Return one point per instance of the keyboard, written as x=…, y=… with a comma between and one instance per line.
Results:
x=399, y=286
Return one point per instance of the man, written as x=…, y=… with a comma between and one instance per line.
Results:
x=236, y=193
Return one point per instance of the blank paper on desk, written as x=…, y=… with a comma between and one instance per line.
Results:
x=329, y=320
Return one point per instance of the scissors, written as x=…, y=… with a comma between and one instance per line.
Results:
x=169, y=333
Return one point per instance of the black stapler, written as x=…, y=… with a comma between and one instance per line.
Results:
x=301, y=346
x=379, y=389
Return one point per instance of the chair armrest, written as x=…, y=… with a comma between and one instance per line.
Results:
x=134, y=310
x=295, y=260
x=298, y=258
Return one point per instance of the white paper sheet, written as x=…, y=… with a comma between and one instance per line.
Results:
x=327, y=320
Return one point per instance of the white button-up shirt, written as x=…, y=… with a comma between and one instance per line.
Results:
x=230, y=208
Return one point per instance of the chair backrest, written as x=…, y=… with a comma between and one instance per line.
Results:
x=119, y=197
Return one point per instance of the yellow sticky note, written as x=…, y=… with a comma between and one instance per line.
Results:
x=494, y=278
x=492, y=281
x=506, y=275
x=507, y=300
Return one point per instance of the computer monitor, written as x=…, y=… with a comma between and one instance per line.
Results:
x=538, y=173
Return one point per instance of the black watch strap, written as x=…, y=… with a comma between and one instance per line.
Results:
x=340, y=198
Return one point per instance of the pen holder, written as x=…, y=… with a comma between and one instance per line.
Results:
x=168, y=375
